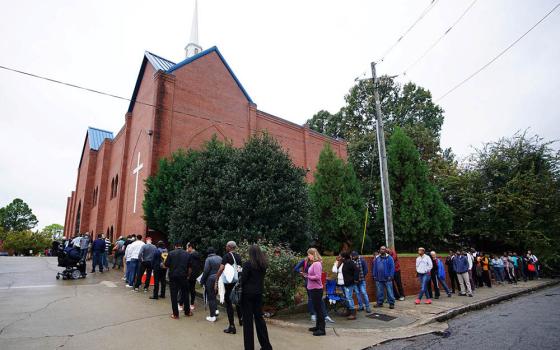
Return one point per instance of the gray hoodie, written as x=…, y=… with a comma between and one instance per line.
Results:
x=147, y=252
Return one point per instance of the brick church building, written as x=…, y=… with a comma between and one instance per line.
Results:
x=173, y=106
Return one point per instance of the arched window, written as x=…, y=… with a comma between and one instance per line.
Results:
x=116, y=185
x=78, y=217
x=111, y=234
x=112, y=187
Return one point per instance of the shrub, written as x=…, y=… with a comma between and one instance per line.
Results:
x=280, y=282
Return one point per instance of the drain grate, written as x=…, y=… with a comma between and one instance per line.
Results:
x=381, y=317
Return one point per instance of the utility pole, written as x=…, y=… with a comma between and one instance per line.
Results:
x=385, y=192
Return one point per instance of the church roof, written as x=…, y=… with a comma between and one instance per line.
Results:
x=160, y=63
x=97, y=136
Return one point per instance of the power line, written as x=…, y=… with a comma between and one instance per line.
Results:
x=497, y=56
x=424, y=13
x=144, y=103
x=430, y=48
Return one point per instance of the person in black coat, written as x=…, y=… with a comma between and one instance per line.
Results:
x=351, y=276
x=196, y=270
x=252, y=282
x=178, y=263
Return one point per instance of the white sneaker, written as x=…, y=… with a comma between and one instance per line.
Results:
x=401, y=298
x=181, y=308
x=313, y=318
x=192, y=307
x=217, y=312
x=329, y=319
x=211, y=319
x=128, y=286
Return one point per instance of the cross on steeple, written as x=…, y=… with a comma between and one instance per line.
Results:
x=136, y=171
x=193, y=47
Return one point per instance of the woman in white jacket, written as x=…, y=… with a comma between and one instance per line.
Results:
x=337, y=268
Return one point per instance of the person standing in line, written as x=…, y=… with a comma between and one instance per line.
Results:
x=383, y=272
x=145, y=259
x=178, y=263
x=485, y=266
x=471, y=260
x=360, y=286
x=498, y=267
x=510, y=270
x=105, y=256
x=160, y=271
x=118, y=253
x=233, y=259
x=315, y=287
x=451, y=272
x=127, y=242
x=84, y=245
x=398, y=289
x=196, y=266
x=302, y=267
x=132, y=252
x=423, y=268
x=98, y=248
x=350, y=275
x=461, y=267
x=535, y=262
x=439, y=275
x=208, y=279
x=516, y=266
x=252, y=283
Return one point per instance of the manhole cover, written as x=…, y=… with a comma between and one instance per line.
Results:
x=381, y=317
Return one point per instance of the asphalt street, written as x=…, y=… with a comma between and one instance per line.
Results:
x=527, y=322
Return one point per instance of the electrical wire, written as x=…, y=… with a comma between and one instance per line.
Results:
x=161, y=108
x=422, y=15
x=472, y=75
x=438, y=40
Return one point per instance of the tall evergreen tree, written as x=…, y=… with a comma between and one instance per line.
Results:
x=17, y=216
x=419, y=213
x=338, y=206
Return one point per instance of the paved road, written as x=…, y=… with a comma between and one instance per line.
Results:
x=528, y=322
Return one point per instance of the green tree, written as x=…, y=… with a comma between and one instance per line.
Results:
x=17, y=216
x=419, y=213
x=271, y=200
x=164, y=187
x=54, y=231
x=337, y=204
x=248, y=194
x=407, y=106
x=22, y=242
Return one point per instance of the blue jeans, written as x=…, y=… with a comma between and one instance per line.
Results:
x=361, y=294
x=131, y=270
x=381, y=286
x=97, y=261
x=499, y=272
x=424, y=279
x=104, y=260
x=442, y=281
x=348, y=291
x=83, y=253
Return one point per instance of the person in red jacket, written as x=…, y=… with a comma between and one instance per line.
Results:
x=398, y=287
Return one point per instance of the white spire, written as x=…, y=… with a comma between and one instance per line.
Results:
x=193, y=47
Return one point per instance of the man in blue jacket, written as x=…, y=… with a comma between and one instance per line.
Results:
x=461, y=267
x=383, y=271
x=360, y=287
x=97, y=249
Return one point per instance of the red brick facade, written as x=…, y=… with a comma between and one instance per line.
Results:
x=194, y=102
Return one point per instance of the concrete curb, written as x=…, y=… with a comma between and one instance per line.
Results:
x=447, y=315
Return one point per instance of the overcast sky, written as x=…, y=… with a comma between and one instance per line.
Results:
x=293, y=57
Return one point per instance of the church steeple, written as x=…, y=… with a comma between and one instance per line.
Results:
x=193, y=47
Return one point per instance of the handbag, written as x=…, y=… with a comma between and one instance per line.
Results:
x=235, y=295
x=531, y=267
x=231, y=272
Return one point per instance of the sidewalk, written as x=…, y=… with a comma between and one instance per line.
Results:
x=410, y=319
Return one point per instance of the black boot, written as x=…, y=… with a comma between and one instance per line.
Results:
x=230, y=330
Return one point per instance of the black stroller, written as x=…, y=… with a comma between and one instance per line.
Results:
x=74, y=265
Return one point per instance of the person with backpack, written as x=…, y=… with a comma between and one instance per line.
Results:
x=178, y=263
x=208, y=280
x=160, y=271
x=232, y=261
x=252, y=284
x=196, y=270
x=438, y=275
x=383, y=272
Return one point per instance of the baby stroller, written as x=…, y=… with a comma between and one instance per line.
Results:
x=336, y=301
x=74, y=265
